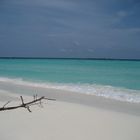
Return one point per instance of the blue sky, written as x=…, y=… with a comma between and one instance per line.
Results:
x=70, y=28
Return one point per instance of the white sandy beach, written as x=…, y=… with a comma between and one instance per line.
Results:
x=61, y=120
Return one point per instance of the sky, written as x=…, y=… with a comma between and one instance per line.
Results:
x=70, y=28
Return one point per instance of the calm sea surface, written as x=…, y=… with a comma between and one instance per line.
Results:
x=109, y=78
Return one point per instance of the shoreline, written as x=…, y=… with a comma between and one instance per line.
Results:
x=106, y=91
x=77, y=98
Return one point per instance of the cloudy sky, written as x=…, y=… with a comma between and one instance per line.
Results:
x=70, y=28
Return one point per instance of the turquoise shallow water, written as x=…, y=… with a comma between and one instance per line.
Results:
x=102, y=77
x=103, y=72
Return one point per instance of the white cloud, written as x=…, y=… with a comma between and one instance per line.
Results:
x=90, y=50
x=122, y=13
x=76, y=43
x=63, y=50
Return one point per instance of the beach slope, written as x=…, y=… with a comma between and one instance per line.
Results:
x=60, y=120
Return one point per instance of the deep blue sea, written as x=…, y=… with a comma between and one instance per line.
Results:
x=114, y=79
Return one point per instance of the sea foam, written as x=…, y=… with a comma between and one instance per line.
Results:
x=105, y=91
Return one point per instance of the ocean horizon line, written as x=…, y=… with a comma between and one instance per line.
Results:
x=72, y=58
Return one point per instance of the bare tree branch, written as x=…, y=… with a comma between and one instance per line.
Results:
x=36, y=101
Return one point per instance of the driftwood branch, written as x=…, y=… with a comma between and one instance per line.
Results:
x=26, y=105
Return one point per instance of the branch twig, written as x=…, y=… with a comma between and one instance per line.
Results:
x=27, y=104
x=6, y=104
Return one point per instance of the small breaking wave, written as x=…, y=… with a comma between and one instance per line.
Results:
x=116, y=93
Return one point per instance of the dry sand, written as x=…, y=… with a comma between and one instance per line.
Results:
x=62, y=120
